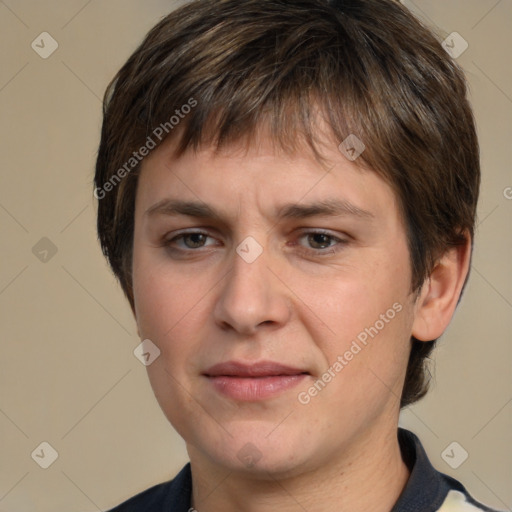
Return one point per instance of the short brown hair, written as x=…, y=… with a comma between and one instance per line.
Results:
x=372, y=68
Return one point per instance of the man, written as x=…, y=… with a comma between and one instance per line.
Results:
x=287, y=195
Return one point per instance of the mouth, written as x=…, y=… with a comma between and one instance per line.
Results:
x=253, y=382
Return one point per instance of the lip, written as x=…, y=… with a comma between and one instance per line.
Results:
x=259, y=369
x=252, y=382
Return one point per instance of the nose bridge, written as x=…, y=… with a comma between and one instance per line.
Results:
x=250, y=295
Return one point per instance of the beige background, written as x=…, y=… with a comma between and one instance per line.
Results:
x=68, y=375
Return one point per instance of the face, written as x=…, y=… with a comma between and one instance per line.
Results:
x=296, y=272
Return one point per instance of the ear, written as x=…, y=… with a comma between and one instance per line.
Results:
x=441, y=291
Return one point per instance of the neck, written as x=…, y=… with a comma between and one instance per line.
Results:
x=370, y=475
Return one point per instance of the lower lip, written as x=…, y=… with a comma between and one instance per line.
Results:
x=254, y=388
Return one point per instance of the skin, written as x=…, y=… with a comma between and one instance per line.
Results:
x=201, y=304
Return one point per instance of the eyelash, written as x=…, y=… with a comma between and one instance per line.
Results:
x=312, y=252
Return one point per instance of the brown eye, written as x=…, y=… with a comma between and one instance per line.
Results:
x=196, y=240
x=320, y=243
x=188, y=241
x=319, y=240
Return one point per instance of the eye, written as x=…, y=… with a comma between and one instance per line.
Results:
x=318, y=242
x=322, y=242
x=190, y=240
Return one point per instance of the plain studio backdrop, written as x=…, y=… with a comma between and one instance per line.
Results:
x=68, y=374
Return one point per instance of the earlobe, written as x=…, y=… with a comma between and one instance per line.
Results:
x=440, y=293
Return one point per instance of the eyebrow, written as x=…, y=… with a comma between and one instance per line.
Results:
x=327, y=207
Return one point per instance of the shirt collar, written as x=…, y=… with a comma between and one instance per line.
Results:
x=426, y=489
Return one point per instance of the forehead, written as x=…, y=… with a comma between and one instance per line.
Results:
x=259, y=173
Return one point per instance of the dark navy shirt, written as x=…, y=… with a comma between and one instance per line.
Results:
x=427, y=489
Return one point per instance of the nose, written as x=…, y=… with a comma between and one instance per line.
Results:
x=252, y=296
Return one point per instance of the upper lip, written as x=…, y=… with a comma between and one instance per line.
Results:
x=259, y=369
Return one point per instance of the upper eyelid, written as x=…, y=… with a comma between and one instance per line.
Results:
x=186, y=232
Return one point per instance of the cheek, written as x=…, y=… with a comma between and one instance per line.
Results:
x=174, y=310
x=342, y=306
x=365, y=319
x=164, y=298
x=168, y=306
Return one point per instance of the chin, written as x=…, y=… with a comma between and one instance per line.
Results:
x=251, y=450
